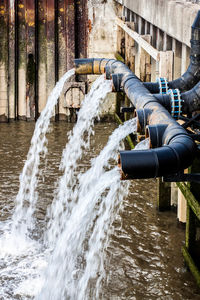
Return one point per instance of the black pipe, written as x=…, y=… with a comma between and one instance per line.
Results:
x=158, y=162
x=179, y=149
x=192, y=75
x=190, y=100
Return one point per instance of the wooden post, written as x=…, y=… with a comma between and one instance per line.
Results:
x=30, y=80
x=176, y=48
x=182, y=207
x=4, y=61
x=66, y=44
x=129, y=48
x=22, y=60
x=163, y=195
x=183, y=59
x=50, y=35
x=166, y=64
x=42, y=55
x=174, y=195
x=145, y=62
x=11, y=62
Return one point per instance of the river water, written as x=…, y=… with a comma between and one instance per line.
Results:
x=143, y=260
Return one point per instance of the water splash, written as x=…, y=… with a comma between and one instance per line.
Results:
x=79, y=140
x=22, y=219
x=143, y=145
x=96, y=188
x=24, y=258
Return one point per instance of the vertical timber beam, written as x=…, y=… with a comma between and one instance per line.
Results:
x=81, y=29
x=11, y=63
x=42, y=55
x=129, y=48
x=66, y=44
x=166, y=64
x=164, y=188
x=183, y=58
x=163, y=195
x=50, y=56
x=22, y=60
x=4, y=61
x=176, y=48
x=30, y=80
x=145, y=62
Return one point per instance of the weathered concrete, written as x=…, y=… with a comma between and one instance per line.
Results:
x=103, y=40
x=173, y=17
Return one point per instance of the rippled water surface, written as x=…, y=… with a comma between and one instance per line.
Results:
x=144, y=258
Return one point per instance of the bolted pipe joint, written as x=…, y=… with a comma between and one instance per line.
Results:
x=143, y=116
x=155, y=134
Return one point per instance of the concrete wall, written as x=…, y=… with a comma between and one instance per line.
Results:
x=173, y=17
x=103, y=40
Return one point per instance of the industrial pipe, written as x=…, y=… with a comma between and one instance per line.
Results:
x=190, y=100
x=178, y=149
x=192, y=75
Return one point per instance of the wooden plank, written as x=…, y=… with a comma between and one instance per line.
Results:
x=145, y=62
x=184, y=59
x=166, y=64
x=141, y=42
x=50, y=35
x=176, y=48
x=22, y=60
x=163, y=195
x=42, y=55
x=70, y=34
x=191, y=264
x=3, y=61
x=61, y=49
x=129, y=48
x=30, y=80
x=11, y=63
x=193, y=203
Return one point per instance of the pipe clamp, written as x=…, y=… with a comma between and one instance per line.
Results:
x=163, y=85
x=176, y=103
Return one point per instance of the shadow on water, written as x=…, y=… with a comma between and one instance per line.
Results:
x=144, y=258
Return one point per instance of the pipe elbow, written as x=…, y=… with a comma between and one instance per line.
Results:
x=166, y=160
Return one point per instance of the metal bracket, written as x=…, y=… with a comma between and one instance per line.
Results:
x=180, y=177
x=127, y=109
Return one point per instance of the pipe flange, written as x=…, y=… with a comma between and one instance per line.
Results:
x=163, y=85
x=176, y=103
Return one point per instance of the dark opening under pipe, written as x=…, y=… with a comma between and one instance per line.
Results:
x=192, y=75
x=178, y=150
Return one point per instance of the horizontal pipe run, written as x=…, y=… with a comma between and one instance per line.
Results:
x=190, y=100
x=178, y=150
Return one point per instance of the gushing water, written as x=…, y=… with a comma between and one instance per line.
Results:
x=79, y=140
x=28, y=255
x=22, y=219
x=143, y=145
x=98, y=195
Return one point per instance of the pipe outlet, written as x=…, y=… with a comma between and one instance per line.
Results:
x=117, y=82
x=155, y=134
x=143, y=116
